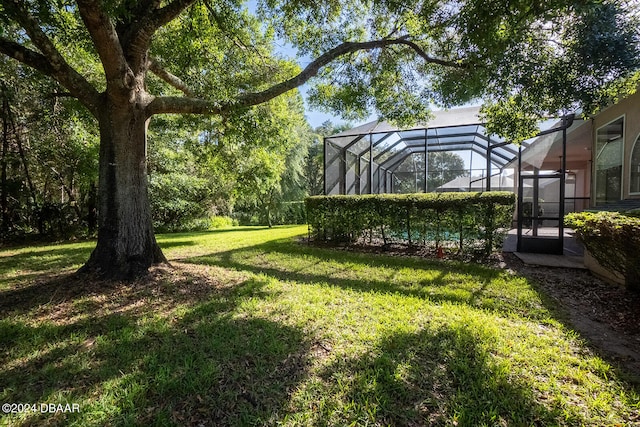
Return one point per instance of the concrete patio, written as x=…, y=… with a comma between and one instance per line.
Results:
x=573, y=252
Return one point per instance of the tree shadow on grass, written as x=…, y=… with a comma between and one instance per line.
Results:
x=437, y=281
x=381, y=259
x=42, y=260
x=168, y=244
x=439, y=378
x=168, y=236
x=152, y=353
x=243, y=260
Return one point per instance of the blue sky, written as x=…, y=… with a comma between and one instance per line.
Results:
x=314, y=117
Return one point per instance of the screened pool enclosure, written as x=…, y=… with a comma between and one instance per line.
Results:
x=452, y=153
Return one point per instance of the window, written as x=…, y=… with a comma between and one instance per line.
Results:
x=634, y=178
x=608, y=162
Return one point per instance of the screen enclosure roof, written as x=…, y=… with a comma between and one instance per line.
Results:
x=450, y=130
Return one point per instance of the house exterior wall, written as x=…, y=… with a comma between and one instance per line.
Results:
x=629, y=108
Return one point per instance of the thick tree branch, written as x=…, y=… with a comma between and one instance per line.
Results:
x=106, y=41
x=169, y=78
x=179, y=105
x=49, y=61
x=345, y=48
x=168, y=13
x=182, y=105
x=427, y=58
x=27, y=56
x=32, y=27
x=144, y=26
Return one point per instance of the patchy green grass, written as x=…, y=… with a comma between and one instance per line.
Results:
x=251, y=328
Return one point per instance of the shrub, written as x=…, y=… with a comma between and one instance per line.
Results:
x=613, y=239
x=634, y=212
x=221, y=222
x=177, y=200
x=198, y=224
x=473, y=223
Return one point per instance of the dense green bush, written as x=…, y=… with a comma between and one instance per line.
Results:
x=469, y=223
x=613, y=239
x=178, y=199
x=221, y=222
x=198, y=224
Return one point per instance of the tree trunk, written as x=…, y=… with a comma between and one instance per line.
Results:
x=4, y=203
x=92, y=210
x=126, y=245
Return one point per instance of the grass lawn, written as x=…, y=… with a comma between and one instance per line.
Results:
x=250, y=327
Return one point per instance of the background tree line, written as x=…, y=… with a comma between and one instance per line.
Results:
x=254, y=168
x=48, y=158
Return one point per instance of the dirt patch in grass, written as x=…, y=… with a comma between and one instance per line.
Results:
x=605, y=315
x=376, y=246
x=60, y=298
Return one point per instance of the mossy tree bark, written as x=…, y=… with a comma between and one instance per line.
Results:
x=126, y=245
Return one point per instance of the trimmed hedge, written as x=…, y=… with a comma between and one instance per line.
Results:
x=613, y=239
x=467, y=223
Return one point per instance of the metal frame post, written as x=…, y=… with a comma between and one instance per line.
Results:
x=563, y=177
x=343, y=171
x=488, y=186
x=426, y=158
x=520, y=204
x=370, y=163
x=324, y=162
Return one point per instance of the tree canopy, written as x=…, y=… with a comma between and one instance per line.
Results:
x=525, y=60
x=395, y=58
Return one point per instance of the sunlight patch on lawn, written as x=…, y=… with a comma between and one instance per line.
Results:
x=251, y=327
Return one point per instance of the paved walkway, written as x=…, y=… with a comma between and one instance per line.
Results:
x=572, y=258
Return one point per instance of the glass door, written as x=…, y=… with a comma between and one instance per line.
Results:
x=540, y=214
x=541, y=193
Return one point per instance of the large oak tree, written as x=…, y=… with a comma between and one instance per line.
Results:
x=397, y=57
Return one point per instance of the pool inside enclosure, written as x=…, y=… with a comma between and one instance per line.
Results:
x=454, y=152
